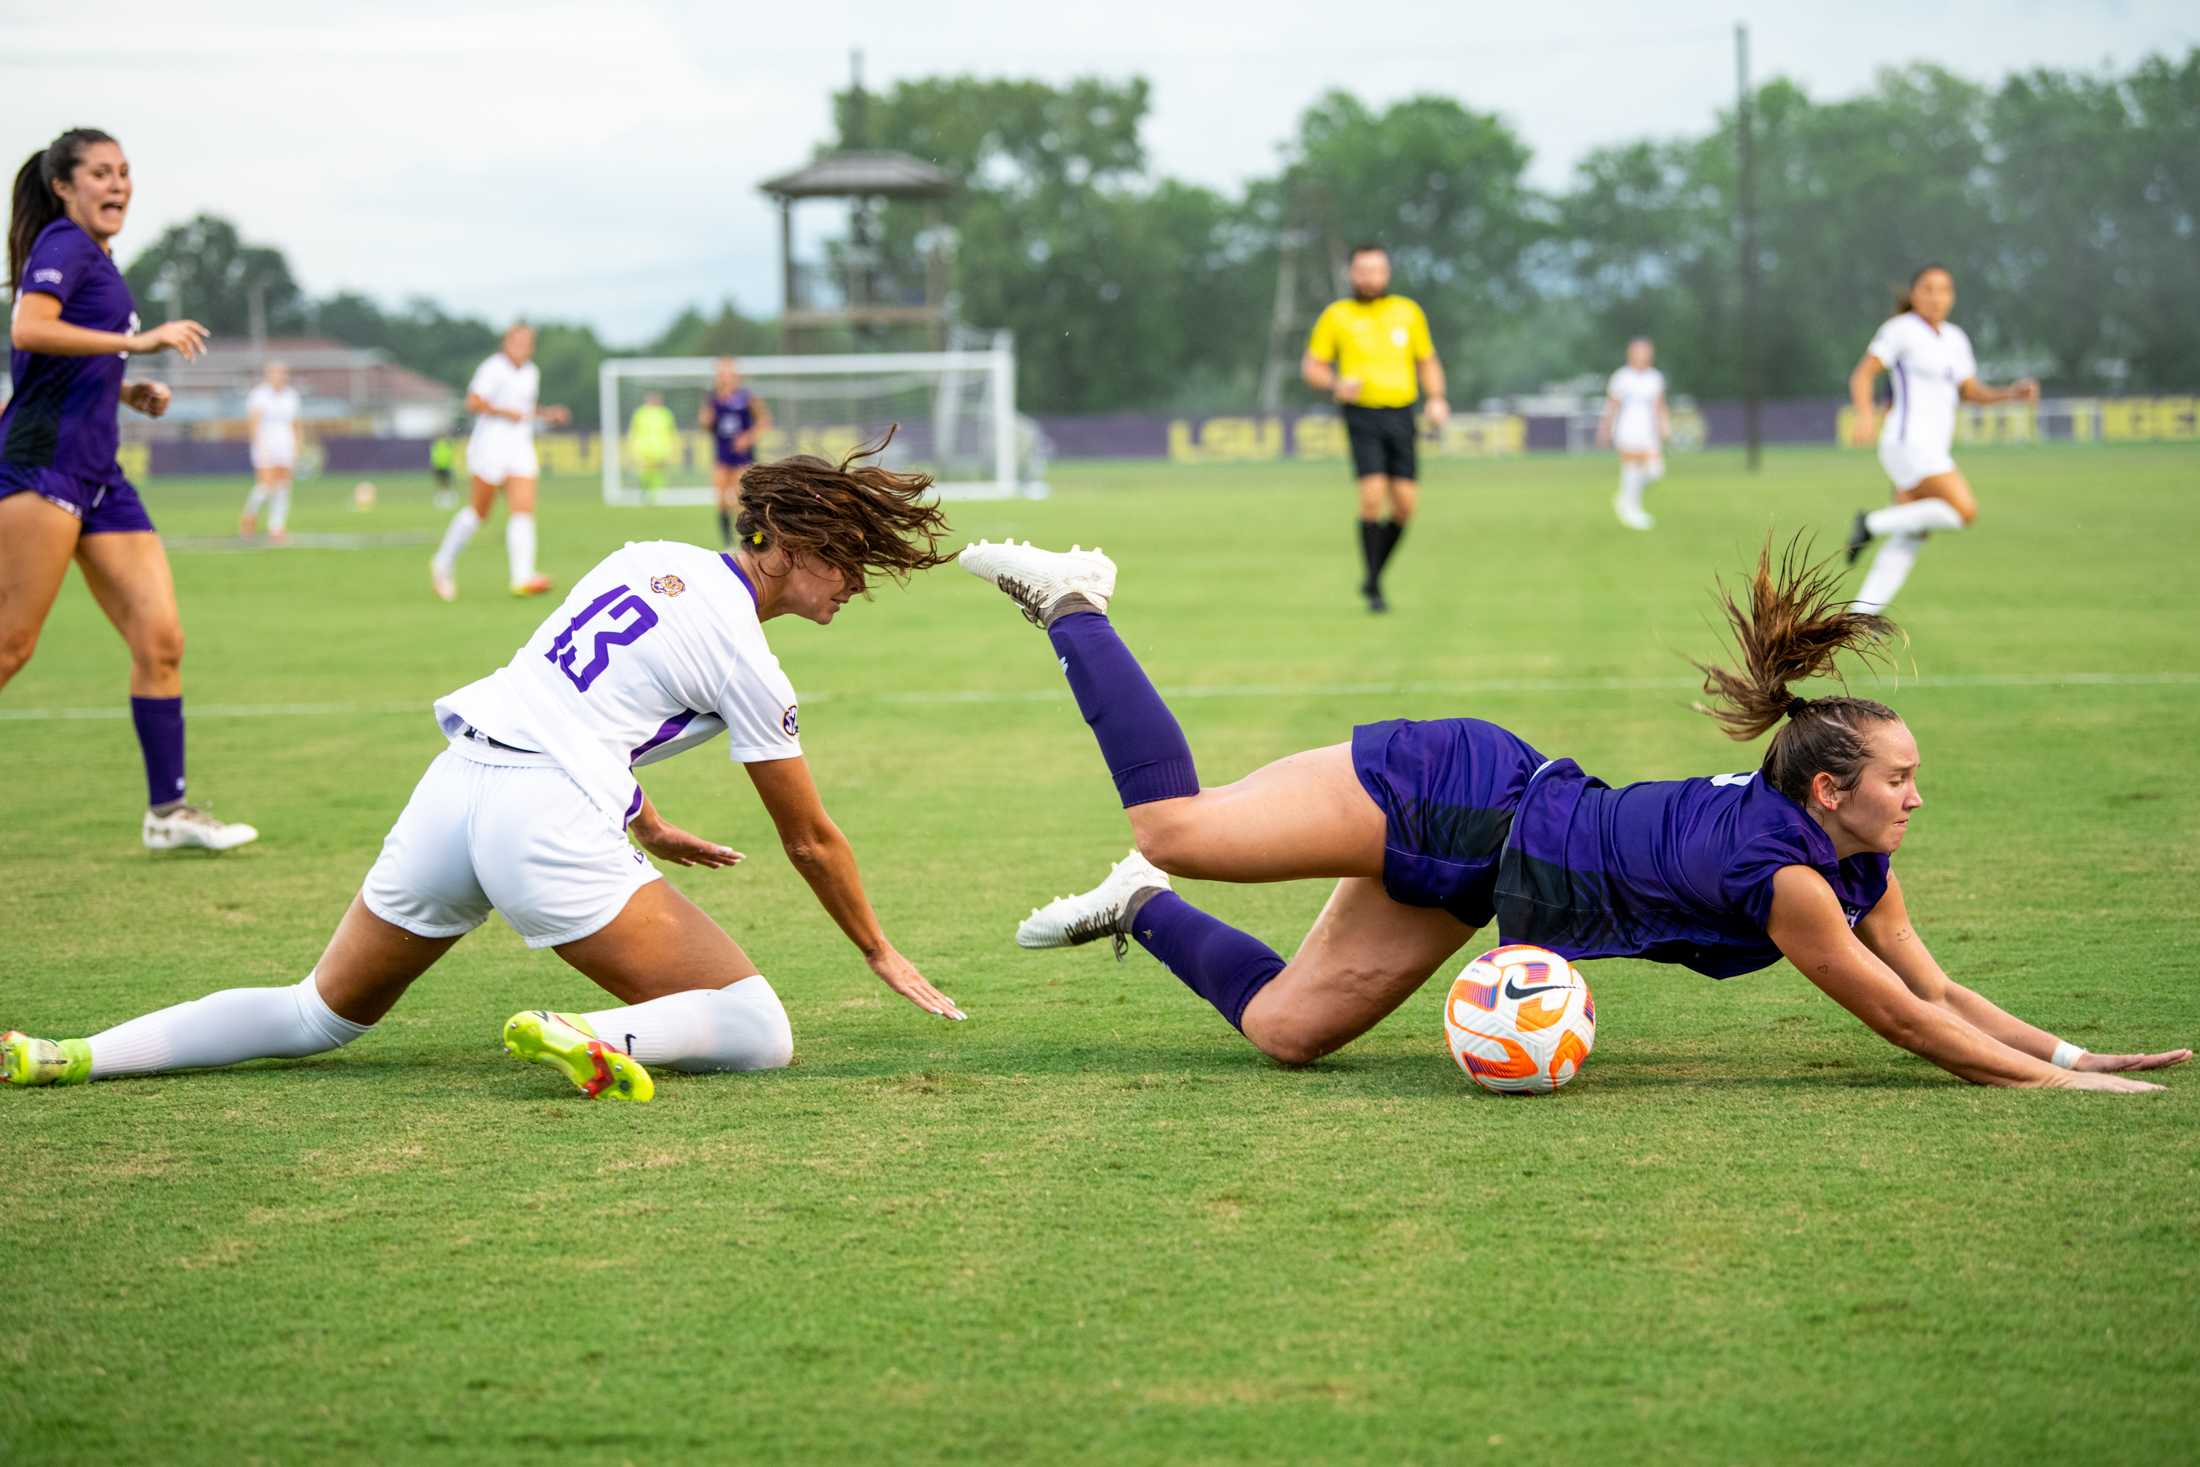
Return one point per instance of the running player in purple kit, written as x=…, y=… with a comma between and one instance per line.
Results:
x=735, y=418
x=1434, y=828
x=62, y=493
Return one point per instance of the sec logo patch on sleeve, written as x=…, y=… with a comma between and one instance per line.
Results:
x=790, y=723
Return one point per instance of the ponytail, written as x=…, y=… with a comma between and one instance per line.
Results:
x=1793, y=627
x=34, y=205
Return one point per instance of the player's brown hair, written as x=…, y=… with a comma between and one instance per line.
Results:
x=1902, y=304
x=863, y=519
x=1790, y=625
x=34, y=204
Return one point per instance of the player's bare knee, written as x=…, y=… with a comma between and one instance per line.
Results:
x=16, y=646
x=1967, y=511
x=1165, y=837
x=158, y=650
x=1286, y=1042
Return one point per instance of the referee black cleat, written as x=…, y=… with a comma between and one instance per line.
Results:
x=1860, y=535
x=1375, y=601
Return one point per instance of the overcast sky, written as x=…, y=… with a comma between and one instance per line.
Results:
x=600, y=162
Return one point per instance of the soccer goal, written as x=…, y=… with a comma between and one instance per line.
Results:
x=955, y=411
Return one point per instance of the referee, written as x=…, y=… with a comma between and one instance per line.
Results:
x=1373, y=354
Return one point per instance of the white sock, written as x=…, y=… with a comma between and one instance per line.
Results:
x=1630, y=489
x=463, y=525
x=255, y=499
x=223, y=1029
x=278, y=518
x=1914, y=518
x=519, y=550
x=739, y=1027
x=1890, y=568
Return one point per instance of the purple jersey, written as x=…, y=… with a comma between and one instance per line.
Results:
x=1675, y=871
x=730, y=417
x=62, y=416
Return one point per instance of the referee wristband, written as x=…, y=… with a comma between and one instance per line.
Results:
x=2067, y=1055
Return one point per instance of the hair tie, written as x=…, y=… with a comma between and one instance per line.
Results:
x=1797, y=705
x=757, y=538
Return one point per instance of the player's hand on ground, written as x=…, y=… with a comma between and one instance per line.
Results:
x=901, y=975
x=1347, y=389
x=149, y=398
x=186, y=339
x=2110, y=1063
x=2084, y=1080
x=668, y=842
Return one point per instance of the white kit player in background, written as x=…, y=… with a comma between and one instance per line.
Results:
x=1934, y=369
x=271, y=414
x=530, y=808
x=1635, y=422
x=501, y=456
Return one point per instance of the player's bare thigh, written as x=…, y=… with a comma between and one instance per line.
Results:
x=519, y=494
x=369, y=964
x=1951, y=486
x=660, y=943
x=1305, y=815
x=1365, y=956
x=1640, y=458
x=273, y=477
x=129, y=576
x=37, y=538
x=485, y=496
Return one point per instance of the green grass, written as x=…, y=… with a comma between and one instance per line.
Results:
x=1091, y=1222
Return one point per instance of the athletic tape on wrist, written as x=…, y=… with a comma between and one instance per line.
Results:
x=2067, y=1055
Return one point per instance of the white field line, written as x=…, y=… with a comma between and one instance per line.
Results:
x=1196, y=691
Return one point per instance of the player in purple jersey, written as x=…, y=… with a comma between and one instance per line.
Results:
x=1434, y=828
x=62, y=493
x=736, y=419
x=530, y=809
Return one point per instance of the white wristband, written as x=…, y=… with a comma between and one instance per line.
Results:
x=2067, y=1055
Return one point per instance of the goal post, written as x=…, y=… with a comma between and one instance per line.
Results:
x=954, y=411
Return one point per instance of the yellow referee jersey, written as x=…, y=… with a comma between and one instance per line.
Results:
x=1379, y=342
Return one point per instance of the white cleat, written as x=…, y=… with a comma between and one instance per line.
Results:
x=444, y=583
x=1634, y=519
x=1102, y=912
x=188, y=826
x=1038, y=580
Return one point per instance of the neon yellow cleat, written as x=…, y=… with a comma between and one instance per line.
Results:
x=568, y=1045
x=28, y=1061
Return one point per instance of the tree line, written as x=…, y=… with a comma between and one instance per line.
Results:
x=2064, y=201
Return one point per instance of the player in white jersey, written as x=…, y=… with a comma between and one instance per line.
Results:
x=530, y=809
x=501, y=455
x=1636, y=423
x=1934, y=370
x=271, y=414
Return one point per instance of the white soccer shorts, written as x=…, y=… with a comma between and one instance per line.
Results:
x=494, y=460
x=275, y=453
x=487, y=828
x=1908, y=465
x=1637, y=441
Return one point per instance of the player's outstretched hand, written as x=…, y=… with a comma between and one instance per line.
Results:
x=2086, y=1080
x=901, y=975
x=2109, y=1063
x=668, y=842
x=185, y=338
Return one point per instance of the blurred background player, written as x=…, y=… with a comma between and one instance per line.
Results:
x=271, y=415
x=501, y=455
x=1934, y=369
x=735, y=418
x=653, y=437
x=1636, y=423
x=62, y=493
x=529, y=810
x=1432, y=828
x=1372, y=353
x=440, y=458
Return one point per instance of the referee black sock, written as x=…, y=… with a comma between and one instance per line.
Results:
x=1388, y=534
x=1371, y=551
x=725, y=528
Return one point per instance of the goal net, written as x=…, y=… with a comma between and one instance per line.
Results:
x=955, y=411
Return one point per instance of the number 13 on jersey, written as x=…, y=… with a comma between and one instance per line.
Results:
x=608, y=609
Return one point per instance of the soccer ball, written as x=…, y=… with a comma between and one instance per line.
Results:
x=1520, y=1020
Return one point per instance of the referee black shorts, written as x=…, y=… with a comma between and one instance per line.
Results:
x=1382, y=441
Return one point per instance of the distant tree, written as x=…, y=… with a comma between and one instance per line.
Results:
x=210, y=274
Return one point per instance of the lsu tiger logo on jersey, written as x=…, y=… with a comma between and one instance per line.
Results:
x=667, y=585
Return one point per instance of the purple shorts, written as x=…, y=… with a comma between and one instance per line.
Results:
x=105, y=508
x=1447, y=789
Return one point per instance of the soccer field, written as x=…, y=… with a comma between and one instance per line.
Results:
x=1091, y=1222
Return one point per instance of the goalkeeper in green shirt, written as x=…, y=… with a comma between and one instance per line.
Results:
x=653, y=438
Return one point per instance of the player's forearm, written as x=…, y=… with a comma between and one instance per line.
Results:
x=1975, y=391
x=1944, y=1037
x=60, y=339
x=1860, y=388
x=828, y=863
x=1991, y=1019
x=1432, y=378
x=1318, y=374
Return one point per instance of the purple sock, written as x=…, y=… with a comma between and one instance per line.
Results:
x=1222, y=965
x=1138, y=736
x=160, y=738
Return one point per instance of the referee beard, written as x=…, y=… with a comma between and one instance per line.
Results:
x=1373, y=354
